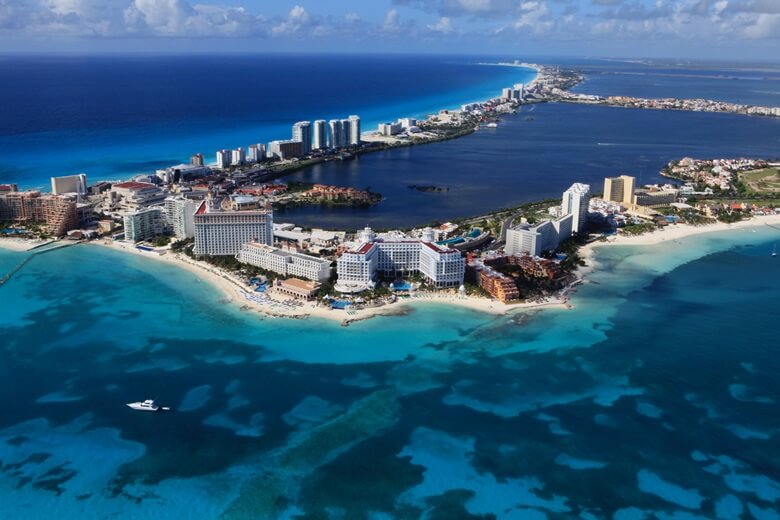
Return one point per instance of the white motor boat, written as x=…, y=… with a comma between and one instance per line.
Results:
x=148, y=406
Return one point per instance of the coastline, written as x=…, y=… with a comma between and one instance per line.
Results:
x=19, y=244
x=672, y=233
x=232, y=291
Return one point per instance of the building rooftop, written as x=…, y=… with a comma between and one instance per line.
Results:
x=133, y=185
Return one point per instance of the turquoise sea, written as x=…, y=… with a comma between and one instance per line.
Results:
x=655, y=397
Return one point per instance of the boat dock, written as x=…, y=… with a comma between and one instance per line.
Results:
x=35, y=251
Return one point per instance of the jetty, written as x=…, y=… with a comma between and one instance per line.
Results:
x=35, y=251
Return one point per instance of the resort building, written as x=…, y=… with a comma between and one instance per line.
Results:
x=655, y=198
x=389, y=129
x=358, y=268
x=575, y=202
x=129, y=197
x=285, y=150
x=296, y=288
x=222, y=227
x=354, y=130
x=526, y=239
x=69, y=184
x=283, y=262
x=197, y=159
x=619, y=189
x=57, y=212
x=319, y=135
x=180, y=215
x=144, y=224
x=301, y=133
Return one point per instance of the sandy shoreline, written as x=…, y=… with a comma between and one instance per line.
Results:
x=675, y=232
x=233, y=291
x=19, y=244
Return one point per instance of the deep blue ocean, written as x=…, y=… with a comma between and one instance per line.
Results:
x=655, y=397
x=113, y=117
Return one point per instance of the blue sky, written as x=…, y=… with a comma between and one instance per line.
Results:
x=729, y=29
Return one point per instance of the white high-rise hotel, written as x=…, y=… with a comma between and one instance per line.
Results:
x=222, y=227
x=575, y=202
x=439, y=265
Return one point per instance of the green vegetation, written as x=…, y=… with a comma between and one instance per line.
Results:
x=161, y=241
x=764, y=182
x=730, y=217
x=638, y=229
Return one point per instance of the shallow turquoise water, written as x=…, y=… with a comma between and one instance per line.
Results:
x=656, y=397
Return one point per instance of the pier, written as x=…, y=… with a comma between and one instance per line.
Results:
x=35, y=251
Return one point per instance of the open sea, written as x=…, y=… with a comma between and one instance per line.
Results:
x=655, y=397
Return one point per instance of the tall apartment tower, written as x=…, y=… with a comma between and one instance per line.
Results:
x=319, y=135
x=345, y=134
x=197, y=159
x=336, y=133
x=223, y=158
x=620, y=189
x=301, y=133
x=354, y=130
x=575, y=202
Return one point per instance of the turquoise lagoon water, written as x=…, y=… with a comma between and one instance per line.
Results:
x=655, y=398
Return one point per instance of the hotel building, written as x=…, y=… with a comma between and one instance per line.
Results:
x=144, y=224
x=69, y=184
x=285, y=150
x=526, y=239
x=128, y=197
x=440, y=266
x=336, y=133
x=283, y=262
x=575, y=202
x=222, y=227
x=620, y=189
x=56, y=211
x=197, y=159
x=180, y=215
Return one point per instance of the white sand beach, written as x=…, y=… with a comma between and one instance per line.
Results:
x=19, y=244
x=676, y=232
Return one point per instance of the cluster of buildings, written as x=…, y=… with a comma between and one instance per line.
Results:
x=307, y=137
x=714, y=173
x=572, y=217
x=57, y=213
x=516, y=93
x=397, y=256
x=327, y=193
x=693, y=105
x=487, y=274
